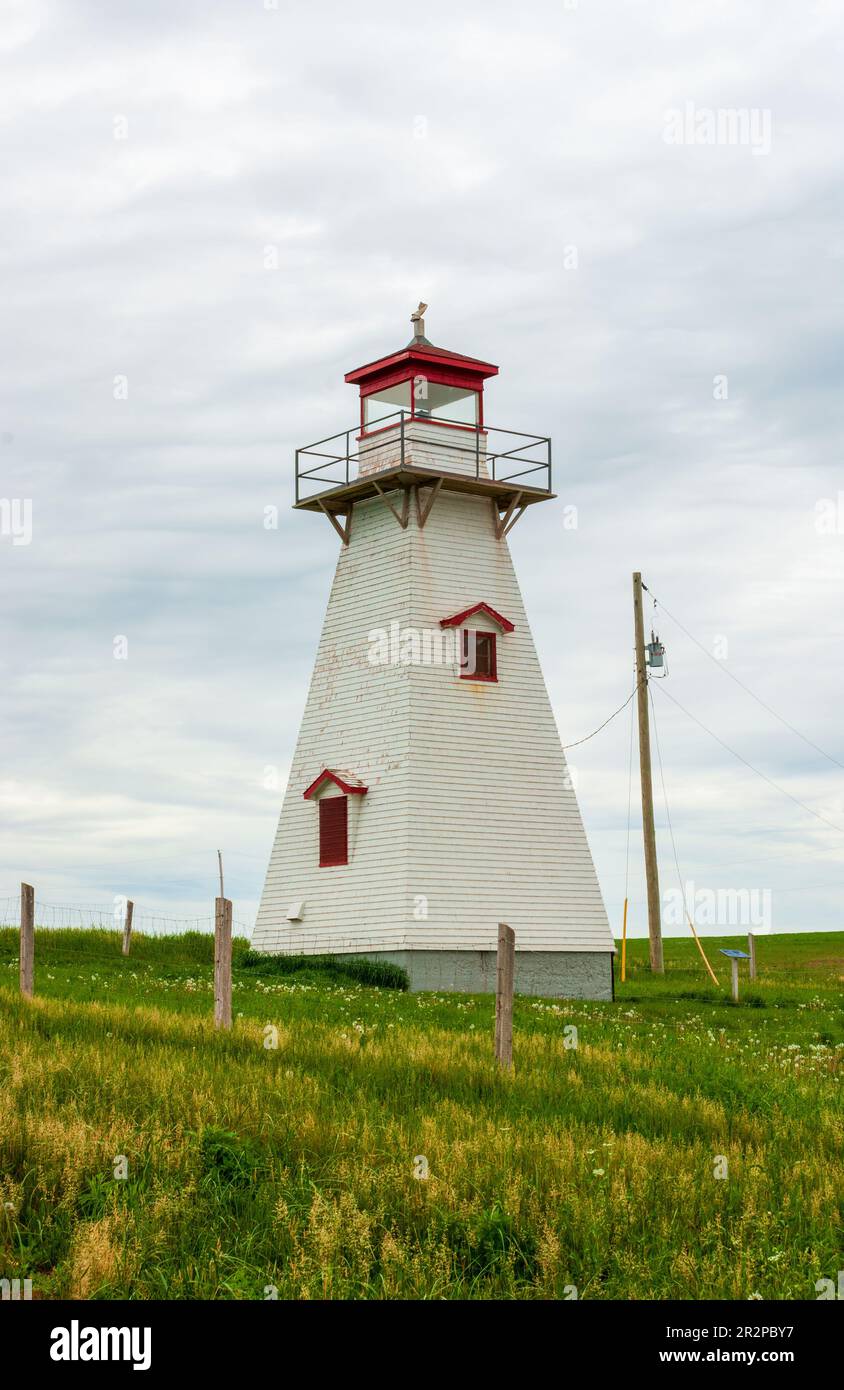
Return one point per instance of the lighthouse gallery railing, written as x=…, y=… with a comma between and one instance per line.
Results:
x=335, y=465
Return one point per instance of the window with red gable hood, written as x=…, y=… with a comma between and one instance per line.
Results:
x=333, y=831
x=478, y=657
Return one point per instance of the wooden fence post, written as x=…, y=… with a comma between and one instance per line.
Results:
x=505, y=973
x=751, y=949
x=27, y=946
x=223, y=963
x=127, y=926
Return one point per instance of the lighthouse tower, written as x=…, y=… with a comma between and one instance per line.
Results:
x=429, y=797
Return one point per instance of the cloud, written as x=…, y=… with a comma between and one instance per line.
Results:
x=151, y=156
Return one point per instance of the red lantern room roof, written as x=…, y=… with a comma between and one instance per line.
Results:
x=421, y=358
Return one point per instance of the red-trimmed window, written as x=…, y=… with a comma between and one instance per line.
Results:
x=333, y=831
x=381, y=409
x=421, y=398
x=478, y=660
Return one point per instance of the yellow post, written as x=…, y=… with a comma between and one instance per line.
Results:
x=624, y=945
x=713, y=977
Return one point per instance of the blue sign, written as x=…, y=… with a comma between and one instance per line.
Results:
x=735, y=955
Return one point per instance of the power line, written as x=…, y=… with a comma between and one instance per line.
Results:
x=765, y=778
x=629, y=803
x=627, y=849
x=798, y=888
x=812, y=887
x=712, y=974
x=751, y=693
x=801, y=888
x=566, y=746
x=664, y=792
x=776, y=858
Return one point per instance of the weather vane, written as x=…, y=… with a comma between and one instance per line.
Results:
x=418, y=321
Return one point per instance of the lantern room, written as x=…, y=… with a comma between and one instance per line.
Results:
x=422, y=382
x=421, y=426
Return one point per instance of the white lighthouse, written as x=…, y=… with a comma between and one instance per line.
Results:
x=429, y=797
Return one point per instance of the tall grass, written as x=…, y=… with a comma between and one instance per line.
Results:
x=87, y=943
x=382, y=974
x=254, y=1166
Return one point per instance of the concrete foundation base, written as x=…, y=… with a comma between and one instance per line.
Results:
x=554, y=974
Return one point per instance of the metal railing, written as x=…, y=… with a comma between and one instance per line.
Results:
x=397, y=432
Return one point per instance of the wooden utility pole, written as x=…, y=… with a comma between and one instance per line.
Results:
x=223, y=963
x=504, y=981
x=220, y=862
x=27, y=946
x=127, y=926
x=651, y=869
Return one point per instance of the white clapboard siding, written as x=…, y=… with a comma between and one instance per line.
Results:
x=450, y=450
x=469, y=811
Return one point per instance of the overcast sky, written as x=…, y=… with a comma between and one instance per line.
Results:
x=669, y=310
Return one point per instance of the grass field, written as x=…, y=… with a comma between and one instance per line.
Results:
x=251, y=1165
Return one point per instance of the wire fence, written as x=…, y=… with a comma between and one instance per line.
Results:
x=109, y=917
